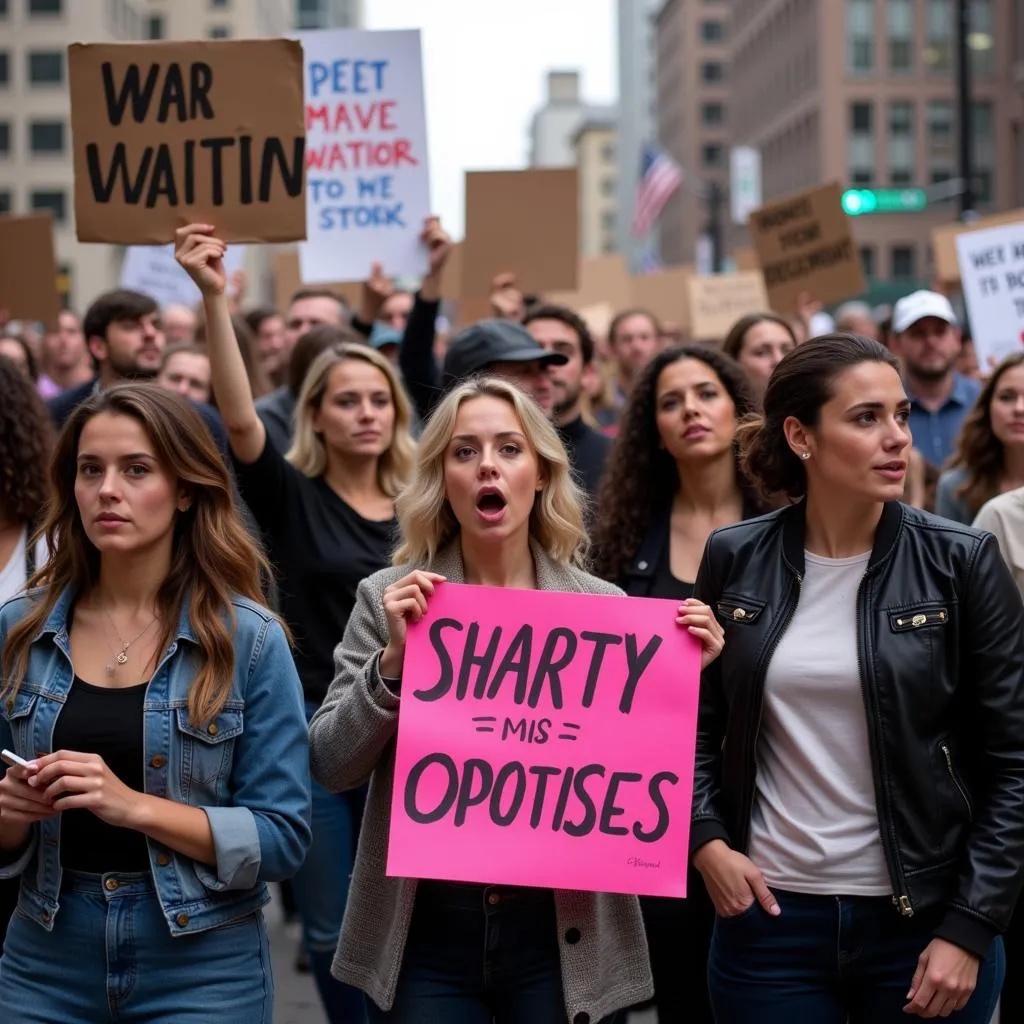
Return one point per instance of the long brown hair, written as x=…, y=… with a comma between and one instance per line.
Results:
x=213, y=558
x=978, y=451
x=26, y=439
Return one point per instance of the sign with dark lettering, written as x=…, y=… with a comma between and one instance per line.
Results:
x=546, y=739
x=28, y=269
x=804, y=244
x=368, y=189
x=165, y=134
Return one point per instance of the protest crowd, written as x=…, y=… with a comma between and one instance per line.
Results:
x=275, y=580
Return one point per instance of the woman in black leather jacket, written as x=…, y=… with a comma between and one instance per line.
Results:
x=859, y=787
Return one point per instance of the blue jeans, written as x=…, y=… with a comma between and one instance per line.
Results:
x=830, y=960
x=111, y=957
x=321, y=893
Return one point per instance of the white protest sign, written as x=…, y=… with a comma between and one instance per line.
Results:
x=367, y=182
x=992, y=275
x=153, y=269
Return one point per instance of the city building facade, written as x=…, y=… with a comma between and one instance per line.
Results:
x=555, y=123
x=595, y=147
x=312, y=14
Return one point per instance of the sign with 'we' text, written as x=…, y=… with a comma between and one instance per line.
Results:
x=165, y=134
x=546, y=739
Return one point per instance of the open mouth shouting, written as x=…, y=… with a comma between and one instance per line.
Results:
x=491, y=504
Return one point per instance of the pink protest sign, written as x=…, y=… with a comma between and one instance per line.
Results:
x=546, y=739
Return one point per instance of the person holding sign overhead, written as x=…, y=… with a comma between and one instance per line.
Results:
x=858, y=806
x=492, y=502
x=326, y=510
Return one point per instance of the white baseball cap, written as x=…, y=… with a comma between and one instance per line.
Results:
x=917, y=306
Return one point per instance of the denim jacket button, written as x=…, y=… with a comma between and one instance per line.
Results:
x=182, y=920
x=158, y=762
x=212, y=729
x=46, y=915
x=111, y=885
x=163, y=859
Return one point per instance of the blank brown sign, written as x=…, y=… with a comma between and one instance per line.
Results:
x=522, y=222
x=165, y=134
x=28, y=269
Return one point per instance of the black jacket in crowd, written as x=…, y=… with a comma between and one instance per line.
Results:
x=941, y=651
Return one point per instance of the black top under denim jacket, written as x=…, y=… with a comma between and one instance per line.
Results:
x=940, y=632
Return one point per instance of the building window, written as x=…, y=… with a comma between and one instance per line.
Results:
x=860, y=36
x=712, y=32
x=938, y=36
x=44, y=7
x=712, y=154
x=901, y=143
x=5, y=138
x=861, y=144
x=984, y=131
x=46, y=136
x=53, y=201
x=939, y=175
x=712, y=114
x=608, y=220
x=219, y=4
x=900, y=18
x=981, y=40
x=46, y=67
x=607, y=186
x=940, y=121
x=608, y=152
x=867, y=260
x=5, y=67
x=219, y=32
x=155, y=27
x=903, y=263
x=5, y=200
x=712, y=71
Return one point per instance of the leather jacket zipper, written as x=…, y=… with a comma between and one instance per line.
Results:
x=890, y=844
x=956, y=781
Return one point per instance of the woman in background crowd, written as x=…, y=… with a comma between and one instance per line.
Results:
x=758, y=342
x=989, y=456
x=673, y=477
x=492, y=503
x=327, y=514
x=14, y=348
x=858, y=813
x=157, y=705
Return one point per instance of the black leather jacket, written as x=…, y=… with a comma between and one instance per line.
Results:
x=941, y=651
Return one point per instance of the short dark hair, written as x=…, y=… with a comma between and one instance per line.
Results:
x=733, y=344
x=571, y=319
x=620, y=318
x=318, y=293
x=255, y=317
x=110, y=307
x=799, y=386
x=310, y=345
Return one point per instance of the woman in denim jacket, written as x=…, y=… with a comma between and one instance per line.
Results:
x=157, y=706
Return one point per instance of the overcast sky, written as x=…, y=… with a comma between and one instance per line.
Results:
x=484, y=69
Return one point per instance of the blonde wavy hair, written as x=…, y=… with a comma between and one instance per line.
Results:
x=424, y=514
x=308, y=453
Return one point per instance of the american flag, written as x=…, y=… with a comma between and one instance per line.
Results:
x=660, y=177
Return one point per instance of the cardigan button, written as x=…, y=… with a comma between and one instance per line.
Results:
x=581, y=1018
x=572, y=936
x=642, y=566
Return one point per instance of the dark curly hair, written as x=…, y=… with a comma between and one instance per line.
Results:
x=799, y=386
x=642, y=477
x=26, y=440
x=978, y=451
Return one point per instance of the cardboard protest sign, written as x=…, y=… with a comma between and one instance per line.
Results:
x=546, y=739
x=992, y=272
x=28, y=269
x=525, y=223
x=804, y=244
x=170, y=133
x=154, y=270
x=717, y=301
x=288, y=280
x=745, y=258
x=664, y=293
x=602, y=279
x=368, y=188
x=944, y=251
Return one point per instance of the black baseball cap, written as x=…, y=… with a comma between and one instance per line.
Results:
x=494, y=341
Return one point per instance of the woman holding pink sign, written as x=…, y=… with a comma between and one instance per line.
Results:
x=858, y=806
x=492, y=503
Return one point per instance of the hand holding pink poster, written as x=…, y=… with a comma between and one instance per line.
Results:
x=546, y=739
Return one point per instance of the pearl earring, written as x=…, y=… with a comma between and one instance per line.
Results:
x=805, y=456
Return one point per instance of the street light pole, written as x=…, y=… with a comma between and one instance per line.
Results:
x=963, y=74
x=714, y=198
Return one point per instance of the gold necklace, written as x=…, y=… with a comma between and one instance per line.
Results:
x=122, y=655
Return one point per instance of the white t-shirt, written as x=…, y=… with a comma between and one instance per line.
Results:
x=12, y=575
x=814, y=827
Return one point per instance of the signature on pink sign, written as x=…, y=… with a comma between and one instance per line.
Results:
x=546, y=739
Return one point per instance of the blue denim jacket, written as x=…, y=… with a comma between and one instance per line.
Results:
x=248, y=769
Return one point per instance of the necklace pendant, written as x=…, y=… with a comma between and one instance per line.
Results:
x=122, y=658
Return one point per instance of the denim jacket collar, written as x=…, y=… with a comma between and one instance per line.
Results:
x=57, y=621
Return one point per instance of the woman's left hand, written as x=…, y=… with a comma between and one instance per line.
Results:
x=943, y=982
x=701, y=622
x=73, y=780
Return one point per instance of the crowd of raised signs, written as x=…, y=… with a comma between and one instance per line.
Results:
x=299, y=450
